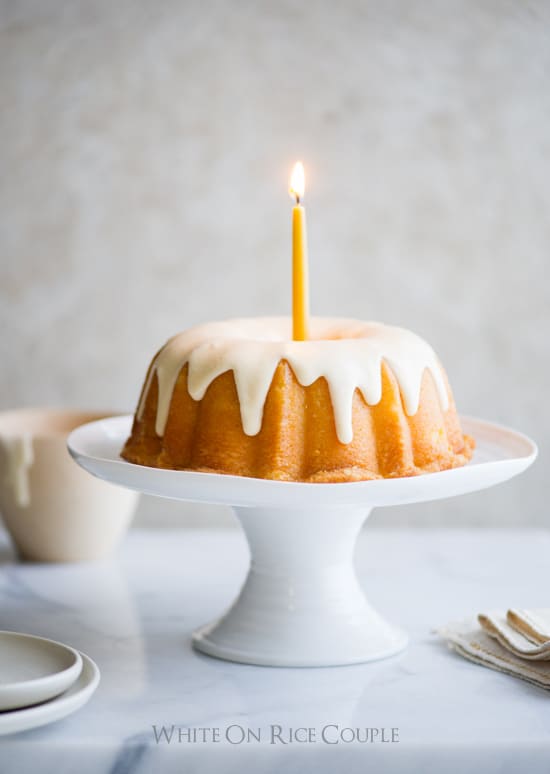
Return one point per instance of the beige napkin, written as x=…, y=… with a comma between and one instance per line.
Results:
x=525, y=633
x=517, y=643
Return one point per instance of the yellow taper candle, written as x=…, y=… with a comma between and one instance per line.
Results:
x=300, y=279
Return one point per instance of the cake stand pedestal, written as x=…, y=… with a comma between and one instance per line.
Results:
x=301, y=603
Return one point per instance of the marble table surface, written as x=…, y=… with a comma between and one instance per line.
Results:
x=134, y=615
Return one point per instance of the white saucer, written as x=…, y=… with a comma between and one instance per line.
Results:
x=34, y=669
x=47, y=712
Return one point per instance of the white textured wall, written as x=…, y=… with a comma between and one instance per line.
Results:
x=144, y=154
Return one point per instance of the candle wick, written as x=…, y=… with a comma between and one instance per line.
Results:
x=297, y=199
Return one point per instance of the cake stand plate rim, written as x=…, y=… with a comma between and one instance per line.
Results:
x=96, y=445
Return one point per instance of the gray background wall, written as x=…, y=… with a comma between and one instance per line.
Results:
x=144, y=156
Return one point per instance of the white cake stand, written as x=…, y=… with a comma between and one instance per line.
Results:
x=301, y=603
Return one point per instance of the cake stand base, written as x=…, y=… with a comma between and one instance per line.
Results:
x=301, y=603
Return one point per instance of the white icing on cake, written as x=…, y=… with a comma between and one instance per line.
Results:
x=347, y=353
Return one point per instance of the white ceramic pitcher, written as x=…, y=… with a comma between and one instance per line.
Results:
x=53, y=510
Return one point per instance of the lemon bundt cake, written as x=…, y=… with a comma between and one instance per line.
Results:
x=357, y=401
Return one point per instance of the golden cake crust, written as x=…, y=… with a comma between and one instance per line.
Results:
x=298, y=440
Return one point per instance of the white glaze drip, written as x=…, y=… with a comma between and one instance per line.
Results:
x=347, y=353
x=20, y=457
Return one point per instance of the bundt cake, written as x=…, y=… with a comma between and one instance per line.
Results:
x=357, y=401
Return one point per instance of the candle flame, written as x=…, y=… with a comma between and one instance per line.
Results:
x=297, y=182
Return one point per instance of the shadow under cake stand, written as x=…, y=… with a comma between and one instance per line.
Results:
x=301, y=603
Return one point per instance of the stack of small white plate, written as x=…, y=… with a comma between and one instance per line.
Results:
x=41, y=681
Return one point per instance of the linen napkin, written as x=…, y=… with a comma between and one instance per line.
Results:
x=492, y=640
x=525, y=633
